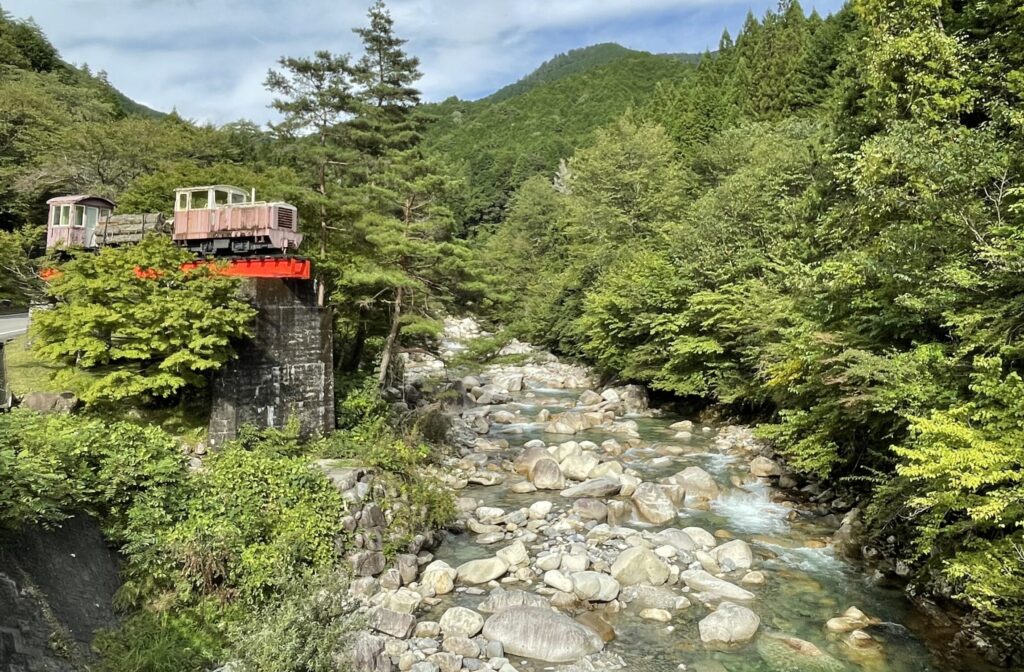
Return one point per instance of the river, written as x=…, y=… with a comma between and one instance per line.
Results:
x=798, y=580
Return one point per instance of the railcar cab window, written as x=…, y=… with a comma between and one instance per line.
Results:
x=78, y=215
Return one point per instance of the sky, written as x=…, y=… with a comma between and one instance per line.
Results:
x=208, y=58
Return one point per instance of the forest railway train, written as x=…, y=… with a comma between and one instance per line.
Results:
x=254, y=238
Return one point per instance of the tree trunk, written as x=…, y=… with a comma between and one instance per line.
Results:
x=351, y=362
x=389, y=345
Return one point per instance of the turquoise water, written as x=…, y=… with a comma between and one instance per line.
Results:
x=807, y=584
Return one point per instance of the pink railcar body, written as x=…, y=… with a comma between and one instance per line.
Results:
x=222, y=219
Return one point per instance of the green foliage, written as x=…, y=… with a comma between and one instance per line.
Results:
x=966, y=468
x=309, y=628
x=54, y=465
x=145, y=325
x=184, y=640
x=252, y=518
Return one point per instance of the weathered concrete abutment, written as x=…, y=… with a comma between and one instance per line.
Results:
x=285, y=370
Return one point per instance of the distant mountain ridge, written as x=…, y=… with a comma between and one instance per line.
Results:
x=526, y=127
x=573, y=62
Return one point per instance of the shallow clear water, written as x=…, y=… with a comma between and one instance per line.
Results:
x=806, y=584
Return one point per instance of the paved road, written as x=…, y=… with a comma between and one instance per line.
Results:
x=12, y=325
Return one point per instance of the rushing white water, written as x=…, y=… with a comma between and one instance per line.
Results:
x=749, y=509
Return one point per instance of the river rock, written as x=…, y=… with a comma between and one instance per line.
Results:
x=439, y=577
x=558, y=581
x=368, y=563
x=713, y=589
x=391, y=622
x=783, y=653
x=540, y=509
x=595, y=487
x=701, y=537
x=514, y=554
x=595, y=586
x=368, y=654
x=733, y=555
x=660, y=615
x=525, y=461
x=729, y=624
x=503, y=417
x=481, y=571
x=699, y=484
x=509, y=382
x=851, y=619
x=763, y=467
x=542, y=634
x=653, y=597
x=639, y=565
x=462, y=646
x=653, y=504
x=500, y=598
x=612, y=470
x=682, y=425
x=589, y=398
x=676, y=538
x=578, y=467
x=461, y=622
x=547, y=475
x=589, y=508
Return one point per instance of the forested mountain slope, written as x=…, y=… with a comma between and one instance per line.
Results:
x=562, y=66
x=500, y=142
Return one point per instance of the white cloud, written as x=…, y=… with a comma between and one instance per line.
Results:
x=208, y=58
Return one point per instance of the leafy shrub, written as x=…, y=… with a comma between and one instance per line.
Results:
x=253, y=517
x=183, y=640
x=964, y=468
x=53, y=465
x=308, y=628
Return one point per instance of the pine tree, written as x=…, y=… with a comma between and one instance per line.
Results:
x=315, y=98
x=386, y=77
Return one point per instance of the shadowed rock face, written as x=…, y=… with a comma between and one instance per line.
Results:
x=68, y=572
x=542, y=634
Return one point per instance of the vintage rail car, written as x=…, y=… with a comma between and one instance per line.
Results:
x=225, y=220
x=86, y=221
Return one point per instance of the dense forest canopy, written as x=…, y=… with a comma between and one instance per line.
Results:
x=818, y=227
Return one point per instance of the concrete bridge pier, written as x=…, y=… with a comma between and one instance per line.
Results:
x=285, y=370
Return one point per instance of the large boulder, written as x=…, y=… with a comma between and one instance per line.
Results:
x=653, y=504
x=589, y=508
x=50, y=402
x=509, y=382
x=733, y=555
x=500, y=599
x=547, y=475
x=713, y=589
x=639, y=565
x=439, y=577
x=763, y=467
x=783, y=653
x=701, y=537
x=461, y=622
x=595, y=586
x=698, y=483
x=729, y=624
x=578, y=467
x=595, y=487
x=541, y=634
x=675, y=538
x=481, y=571
x=526, y=460
x=391, y=622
